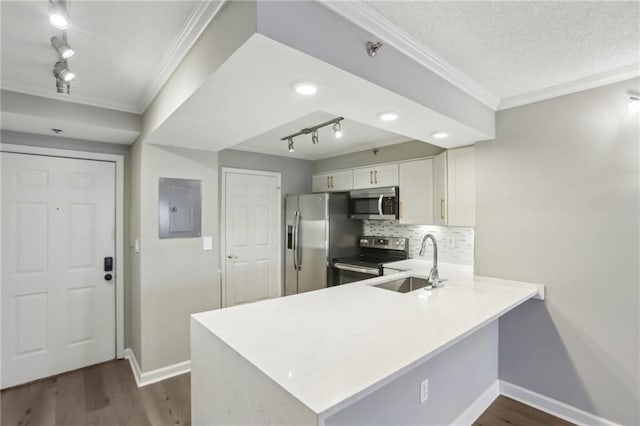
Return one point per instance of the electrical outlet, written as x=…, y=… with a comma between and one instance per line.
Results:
x=451, y=242
x=424, y=390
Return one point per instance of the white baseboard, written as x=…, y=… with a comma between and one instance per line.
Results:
x=478, y=406
x=552, y=406
x=153, y=376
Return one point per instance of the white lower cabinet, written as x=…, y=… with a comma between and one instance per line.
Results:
x=416, y=192
x=332, y=181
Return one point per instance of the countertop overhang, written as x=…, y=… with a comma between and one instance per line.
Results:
x=331, y=347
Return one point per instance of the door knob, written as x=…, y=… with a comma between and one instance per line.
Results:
x=232, y=257
x=108, y=277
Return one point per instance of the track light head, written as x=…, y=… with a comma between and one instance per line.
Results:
x=62, y=87
x=58, y=15
x=314, y=137
x=337, y=130
x=61, y=71
x=62, y=47
x=291, y=145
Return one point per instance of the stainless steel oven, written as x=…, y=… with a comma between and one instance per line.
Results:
x=348, y=272
x=375, y=203
x=374, y=252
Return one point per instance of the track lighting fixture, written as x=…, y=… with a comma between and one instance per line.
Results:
x=62, y=72
x=337, y=130
x=315, y=139
x=62, y=47
x=62, y=87
x=372, y=48
x=58, y=15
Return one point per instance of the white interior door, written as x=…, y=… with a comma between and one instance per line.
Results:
x=252, y=237
x=58, y=225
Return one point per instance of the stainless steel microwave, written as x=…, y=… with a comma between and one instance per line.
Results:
x=375, y=203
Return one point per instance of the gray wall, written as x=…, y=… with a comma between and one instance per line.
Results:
x=558, y=204
x=296, y=174
x=457, y=377
x=386, y=154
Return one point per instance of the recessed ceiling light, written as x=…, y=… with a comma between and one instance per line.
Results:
x=305, y=89
x=388, y=116
x=439, y=135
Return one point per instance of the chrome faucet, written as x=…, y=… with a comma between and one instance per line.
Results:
x=434, y=278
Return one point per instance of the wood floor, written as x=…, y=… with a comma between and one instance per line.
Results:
x=506, y=411
x=106, y=395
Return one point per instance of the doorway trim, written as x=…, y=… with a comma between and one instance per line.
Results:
x=223, y=216
x=119, y=268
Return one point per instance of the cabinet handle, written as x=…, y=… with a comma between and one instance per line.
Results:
x=442, y=208
x=400, y=209
x=332, y=182
x=376, y=176
x=371, y=177
x=328, y=184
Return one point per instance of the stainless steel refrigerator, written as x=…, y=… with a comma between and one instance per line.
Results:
x=318, y=230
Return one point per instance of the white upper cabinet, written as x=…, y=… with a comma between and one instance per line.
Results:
x=332, y=181
x=461, y=187
x=454, y=177
x=416, y=192
x=375, y=176
x=440, y=189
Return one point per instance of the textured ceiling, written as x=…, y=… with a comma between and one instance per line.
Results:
x=512, y=48
x=119, y=45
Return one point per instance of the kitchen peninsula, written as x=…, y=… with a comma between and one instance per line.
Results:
x=352, y=354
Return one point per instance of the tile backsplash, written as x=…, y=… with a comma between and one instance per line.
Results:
x=455, y=245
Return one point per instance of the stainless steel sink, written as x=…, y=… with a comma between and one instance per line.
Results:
x=404, y=285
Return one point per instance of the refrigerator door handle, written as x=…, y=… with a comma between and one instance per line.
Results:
x=380, y=205
x=296, y=241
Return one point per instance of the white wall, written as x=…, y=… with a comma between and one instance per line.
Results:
x=558, y=199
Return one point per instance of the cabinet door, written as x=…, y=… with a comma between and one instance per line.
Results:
x=440, y=189
x=461, y=187
x=341, y=181
x=386, y=175
x=363, y=178
x=416, y=192
x=320, y=182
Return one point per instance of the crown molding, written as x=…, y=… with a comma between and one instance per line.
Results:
x=366, y=18
x=50, y=94
x=193, y=27
x=609, y=77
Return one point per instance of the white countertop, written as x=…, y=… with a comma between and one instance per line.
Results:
x=331, y=347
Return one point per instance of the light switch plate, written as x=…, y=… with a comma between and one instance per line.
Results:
x=207, y=243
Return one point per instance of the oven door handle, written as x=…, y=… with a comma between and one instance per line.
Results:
x=351, y=268
x=380, y=205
